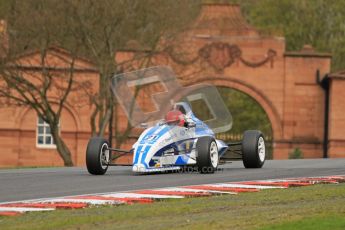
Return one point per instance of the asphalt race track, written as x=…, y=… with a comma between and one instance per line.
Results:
x=23, y=184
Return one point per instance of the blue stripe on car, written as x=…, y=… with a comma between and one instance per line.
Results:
x=137, y=154
x=182, y=160
x=148, y=147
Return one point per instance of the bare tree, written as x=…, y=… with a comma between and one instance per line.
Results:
x=96, y=30
x=23, y=85
x=106, y=27
x=37, y=83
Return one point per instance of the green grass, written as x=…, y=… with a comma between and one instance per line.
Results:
x=329, y=221
x=312, y=207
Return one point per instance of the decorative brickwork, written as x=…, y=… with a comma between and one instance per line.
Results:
x=222, y=49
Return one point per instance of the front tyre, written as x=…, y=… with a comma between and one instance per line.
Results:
x=97, y=156
x=207, y=159
x=253, y=149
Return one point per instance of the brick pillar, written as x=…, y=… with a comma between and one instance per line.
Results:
x=336, y=146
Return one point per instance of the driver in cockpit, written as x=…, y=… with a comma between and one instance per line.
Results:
x=178, y=116
x=175, y=117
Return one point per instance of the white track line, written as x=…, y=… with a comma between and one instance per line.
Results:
x=20, y=209
x=179, y=189
x=88, y=201
x=277, y=180
x=137, y=195
x=244, y=186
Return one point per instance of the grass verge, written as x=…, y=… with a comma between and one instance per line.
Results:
x=312, y=207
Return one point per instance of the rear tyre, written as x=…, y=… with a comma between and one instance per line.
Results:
x=207, y=159
x=253, y=149
x=97, y=156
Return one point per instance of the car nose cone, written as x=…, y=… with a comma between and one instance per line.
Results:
x=138, y=168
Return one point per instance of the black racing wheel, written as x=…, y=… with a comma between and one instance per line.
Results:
x=253, y=149
x=207, y=155
x=97, y=156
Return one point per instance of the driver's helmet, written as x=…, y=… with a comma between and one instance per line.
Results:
x=175, y=117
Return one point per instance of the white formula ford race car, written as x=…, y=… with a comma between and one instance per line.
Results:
x=179, y=141
x=170, y=146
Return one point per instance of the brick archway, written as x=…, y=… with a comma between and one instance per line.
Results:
x=222, y=49
x=255, y=93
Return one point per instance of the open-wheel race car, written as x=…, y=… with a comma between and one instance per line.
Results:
x=175, y=138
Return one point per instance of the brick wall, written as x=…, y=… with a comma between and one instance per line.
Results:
x=336, y=146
